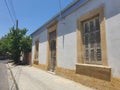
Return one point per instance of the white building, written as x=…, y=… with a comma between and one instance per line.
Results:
x=83, y=44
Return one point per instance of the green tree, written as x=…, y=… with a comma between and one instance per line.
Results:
x=26, y=44
x=4, y=45
x=15, y=42
x=19, y=43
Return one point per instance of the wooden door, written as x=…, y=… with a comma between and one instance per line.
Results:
x=52, y=45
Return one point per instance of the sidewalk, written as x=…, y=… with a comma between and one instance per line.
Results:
x=30, y=78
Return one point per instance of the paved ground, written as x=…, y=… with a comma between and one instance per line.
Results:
x=3, y=76
x=30, y=78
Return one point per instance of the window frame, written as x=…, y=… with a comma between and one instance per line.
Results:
x=95, y=46
x=80, y=45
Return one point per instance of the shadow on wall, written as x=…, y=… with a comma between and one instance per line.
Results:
x=63, y=28
x=66, y=27
x=113, y=9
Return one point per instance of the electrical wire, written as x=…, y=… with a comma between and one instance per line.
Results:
x=13, y=9
x=9, y=12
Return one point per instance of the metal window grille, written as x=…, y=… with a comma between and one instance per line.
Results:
x=92, y=41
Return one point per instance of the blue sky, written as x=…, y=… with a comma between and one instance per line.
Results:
x=30, y=13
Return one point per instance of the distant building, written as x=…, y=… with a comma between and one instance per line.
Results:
x=83, y=44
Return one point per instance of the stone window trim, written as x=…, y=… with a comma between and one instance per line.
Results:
x=80, y=47
x=51, y=27
x=36, y=50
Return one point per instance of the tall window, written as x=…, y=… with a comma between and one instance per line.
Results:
x=36, y=50
x=92, y=41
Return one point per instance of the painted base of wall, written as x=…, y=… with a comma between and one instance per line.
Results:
x=41, y=66
x=35, y=62
x=96, y=71
x=99, y=84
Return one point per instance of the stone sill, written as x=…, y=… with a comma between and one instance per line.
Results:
x=96, y=71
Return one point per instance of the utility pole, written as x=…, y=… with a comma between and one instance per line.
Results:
x=16, y=24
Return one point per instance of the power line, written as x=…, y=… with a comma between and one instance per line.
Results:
x=13, y=9
x=9, y=12
x=13, y=12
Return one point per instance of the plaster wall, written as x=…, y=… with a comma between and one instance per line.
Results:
x=113, y=35
x=43, y=47
x=33, y=45
x=67, y=36
x=67, y=45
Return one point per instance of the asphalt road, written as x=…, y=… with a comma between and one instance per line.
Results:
x=3, y=76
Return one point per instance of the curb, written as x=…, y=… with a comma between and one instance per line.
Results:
x=16, y=85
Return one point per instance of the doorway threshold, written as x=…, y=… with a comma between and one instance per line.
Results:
x=52, y=72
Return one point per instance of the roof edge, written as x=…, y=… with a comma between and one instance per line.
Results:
x=58, y=15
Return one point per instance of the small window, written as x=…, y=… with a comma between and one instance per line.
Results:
x=92, y=41
x=36, y=49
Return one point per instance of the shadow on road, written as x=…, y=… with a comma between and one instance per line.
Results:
x=3, y=75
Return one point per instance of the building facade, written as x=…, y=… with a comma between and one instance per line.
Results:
x=82, y=43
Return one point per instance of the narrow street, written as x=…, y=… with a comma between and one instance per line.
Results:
x=3, y=76
x=30, y=78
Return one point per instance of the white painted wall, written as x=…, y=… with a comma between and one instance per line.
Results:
x=42, y=37
x=67, y=36
x=113, y=35
x=67, y=48
x=43, y=48
x=33, y=45
x=67, y=45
